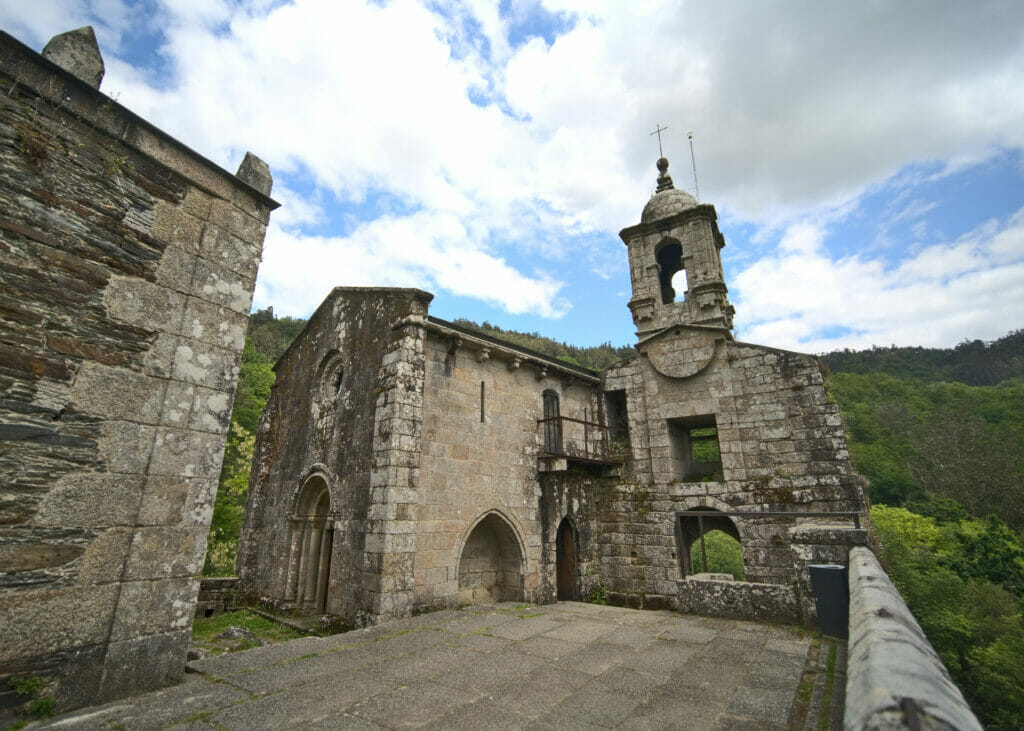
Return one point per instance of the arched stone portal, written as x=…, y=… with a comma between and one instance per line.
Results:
x=312, y=537
x=491, y=565
x=565, y=561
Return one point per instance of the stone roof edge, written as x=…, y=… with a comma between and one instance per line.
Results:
x=771, y=349
x=133, y=120
x=655, y=335
x=419, y=294
x=511, y=352
x=662, y=224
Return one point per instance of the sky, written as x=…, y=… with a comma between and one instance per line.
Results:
x=866, y=159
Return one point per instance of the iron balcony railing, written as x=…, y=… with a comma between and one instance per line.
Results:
x=579, y=440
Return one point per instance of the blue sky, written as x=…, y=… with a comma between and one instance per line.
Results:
x=865, y=159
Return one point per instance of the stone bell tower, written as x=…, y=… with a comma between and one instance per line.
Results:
x=675, y=264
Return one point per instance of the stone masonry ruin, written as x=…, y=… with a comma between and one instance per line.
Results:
x=128, y=264
x=452, y=468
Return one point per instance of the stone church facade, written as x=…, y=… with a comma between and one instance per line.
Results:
x=404, y=463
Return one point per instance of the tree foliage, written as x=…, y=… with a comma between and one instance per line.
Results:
x=596, y=358
x=962, y=580
x=265, y=342
x=919, y=442
x=973, y=362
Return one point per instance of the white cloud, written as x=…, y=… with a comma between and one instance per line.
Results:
x=945, y=293
x=425, y=250
x=798, y=110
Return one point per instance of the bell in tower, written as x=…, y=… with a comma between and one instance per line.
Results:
x=675, y=262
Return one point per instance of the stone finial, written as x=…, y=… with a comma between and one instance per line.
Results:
x=77, y=52
x=256, y=173
x=664, y=179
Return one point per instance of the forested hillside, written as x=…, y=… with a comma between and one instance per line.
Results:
x=944, y=461
x=939, y=435
x=973, y=362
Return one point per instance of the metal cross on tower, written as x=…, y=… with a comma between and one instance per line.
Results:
x=658, y=132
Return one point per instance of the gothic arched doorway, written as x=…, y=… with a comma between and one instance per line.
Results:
x=312, y=537
x=491, y=565
x=565, y=561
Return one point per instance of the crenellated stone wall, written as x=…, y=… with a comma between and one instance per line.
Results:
x=127, y=264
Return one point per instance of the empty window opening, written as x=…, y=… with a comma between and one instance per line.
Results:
x=338, y=379
x=696, y=455
x=709, y=544
x=617, y=419
x=552, y=424
x=482, y=394
x=670, y=261
x=491, y=565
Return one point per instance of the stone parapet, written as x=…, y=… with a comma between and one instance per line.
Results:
x=737, y=599
x=894, y=678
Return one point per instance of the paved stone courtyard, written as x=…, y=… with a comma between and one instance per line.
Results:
x=564, y=665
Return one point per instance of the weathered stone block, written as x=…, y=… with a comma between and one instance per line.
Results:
x=162, y=552
x=45, y=622
x=91, y=499
x=125, y=446
x=183, y=453
x=145, y=304
x=117, y=393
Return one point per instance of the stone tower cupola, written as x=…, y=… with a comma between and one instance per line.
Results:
x=674, y=262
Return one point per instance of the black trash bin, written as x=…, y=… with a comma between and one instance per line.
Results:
x=832, y=598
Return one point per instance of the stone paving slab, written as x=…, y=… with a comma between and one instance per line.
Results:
x=506, y=666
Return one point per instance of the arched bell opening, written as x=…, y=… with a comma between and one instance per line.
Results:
x=566, y=561
x=709, y=543
x=312, y=538
x=491, y=564
x=669, y=256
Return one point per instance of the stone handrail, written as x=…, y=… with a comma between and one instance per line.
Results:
x=894, y=677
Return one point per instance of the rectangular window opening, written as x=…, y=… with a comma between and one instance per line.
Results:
x=617, y=421
x=696, y=455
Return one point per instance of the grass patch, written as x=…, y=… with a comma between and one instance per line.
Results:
x=205, y=632
x=830, y=681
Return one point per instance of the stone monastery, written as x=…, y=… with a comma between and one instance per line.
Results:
x=404, y=463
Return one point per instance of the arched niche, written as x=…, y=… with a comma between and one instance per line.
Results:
x=491, y=565
x=312, y=538
x=690, y=532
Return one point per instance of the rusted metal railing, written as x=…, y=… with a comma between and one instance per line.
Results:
x=582, y=440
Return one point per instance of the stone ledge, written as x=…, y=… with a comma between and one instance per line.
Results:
x=892, y=670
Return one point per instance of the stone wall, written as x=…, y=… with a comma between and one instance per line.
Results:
x=894, y=678
x=481, y=459
x=216, y=595
x=325, y=420
x=127, y=265
x=782, y=450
